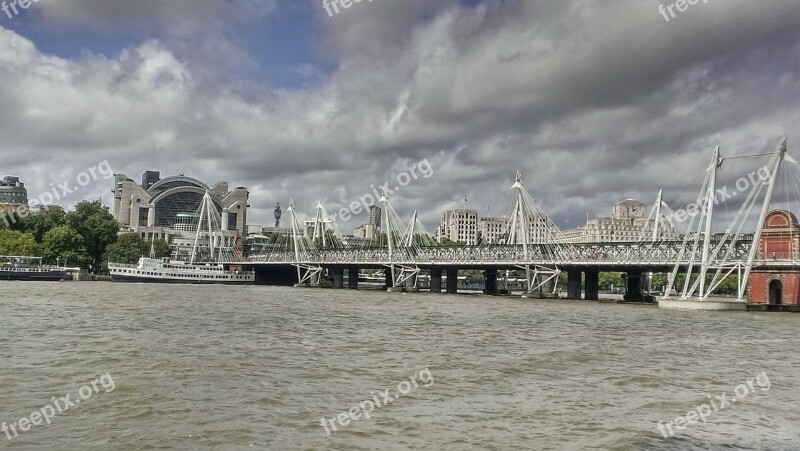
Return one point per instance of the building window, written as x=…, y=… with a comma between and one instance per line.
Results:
x=143, y=213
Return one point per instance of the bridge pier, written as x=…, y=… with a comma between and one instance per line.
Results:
x=548, y=288
x=338, y=277
x=388, y=283
x=633, y=291
x=316, y=279
x=451, y=285
x=436, y=280
x=411, y=284
x=591, y=287
x=352, y=277
x=574, y=284
x=490, y=281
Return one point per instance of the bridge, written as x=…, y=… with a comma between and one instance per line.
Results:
x=697, y=259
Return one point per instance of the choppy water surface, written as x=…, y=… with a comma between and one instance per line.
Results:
x=259, y=367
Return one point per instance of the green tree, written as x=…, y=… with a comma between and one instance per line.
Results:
x=127, y=250
x=10, y=220
x=13, y=242
x=65, y=244
x=97, y=227
x=728, y=286
x=607, y=279
x=130, y=246
x=39, y=224
x=161, y=248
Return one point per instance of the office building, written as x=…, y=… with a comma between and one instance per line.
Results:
x=628, y=222
x=12, y=194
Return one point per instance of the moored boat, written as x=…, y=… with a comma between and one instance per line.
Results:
x=29, y=268
x=165, y=270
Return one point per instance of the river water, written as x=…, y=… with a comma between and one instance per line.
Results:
x=255, y=367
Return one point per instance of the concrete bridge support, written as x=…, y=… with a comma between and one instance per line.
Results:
x=411, y=284
x=490, y=281
x=352, y=277
x=387, y=277
x=436, y=280
x=591, y=287
x=634, y=282
x=548, y=287
x=338, y=277
x=573, y=284
x=451, y=285
x=316, y=279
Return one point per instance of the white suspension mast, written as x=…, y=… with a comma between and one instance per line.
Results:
x=760, y=224
x=295, y=240
x=520, y=213
x=319, y=226
x=199, y=226
x=208, y=204
x=410, y=240
x=389, y=239
x=659, y=200
x=711, y=194
x=519, y=224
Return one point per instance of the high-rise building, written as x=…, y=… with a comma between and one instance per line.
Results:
x=492, y=230
x=150, y=178
x=314, y=229
x=628, y=222
x=372, y=228
x=12, y=193
x=374, y=216
x=460, y=226
x=466, y=226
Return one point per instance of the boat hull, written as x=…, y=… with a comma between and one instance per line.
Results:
x=44, y=276
x=144, y=279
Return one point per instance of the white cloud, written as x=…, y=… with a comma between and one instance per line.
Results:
x=594, y=102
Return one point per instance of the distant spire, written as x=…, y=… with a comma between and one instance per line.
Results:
x=278, y=215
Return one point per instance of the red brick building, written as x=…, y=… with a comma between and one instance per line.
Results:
x=780, y=240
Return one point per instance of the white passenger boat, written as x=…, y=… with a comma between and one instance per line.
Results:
x=166, y=271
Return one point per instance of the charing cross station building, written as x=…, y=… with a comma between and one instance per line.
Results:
x=167, y=208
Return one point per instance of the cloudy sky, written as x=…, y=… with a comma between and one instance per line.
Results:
x=593, y=101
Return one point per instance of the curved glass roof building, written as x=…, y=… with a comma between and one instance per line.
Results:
x=158, y=204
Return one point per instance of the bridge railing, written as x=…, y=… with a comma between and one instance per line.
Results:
x=594, y=253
